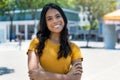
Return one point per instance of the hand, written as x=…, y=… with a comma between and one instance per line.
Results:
x=37, y=74
x=76, y=71
x=34, y=74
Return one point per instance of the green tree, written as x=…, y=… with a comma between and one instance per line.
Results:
x=7, y=9
x=34, y=5
x=3, y=3
x=97, y=9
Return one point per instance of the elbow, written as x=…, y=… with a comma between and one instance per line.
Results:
x=33, y=69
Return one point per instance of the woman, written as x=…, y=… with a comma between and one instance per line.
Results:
x=51, y=56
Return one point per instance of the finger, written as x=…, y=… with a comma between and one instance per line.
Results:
x=78, y=67
x=77, y=63
x=30, y=72
x=33, y=75
x=77, y=70
x=77, y=73
x=31, y=78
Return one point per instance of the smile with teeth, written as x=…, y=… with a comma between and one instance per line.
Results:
x=57, y=26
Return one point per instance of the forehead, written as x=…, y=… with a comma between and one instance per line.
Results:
x=52, y=12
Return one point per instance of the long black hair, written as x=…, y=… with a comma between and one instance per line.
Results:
x=44, y=33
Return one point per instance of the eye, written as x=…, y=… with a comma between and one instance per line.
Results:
x=58, y=16
x=49, y=19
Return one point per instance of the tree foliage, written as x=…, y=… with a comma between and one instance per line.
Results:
x=32, y=4
x=98, y=7
x=9, y=5
x=2, y=3
x=8, y=10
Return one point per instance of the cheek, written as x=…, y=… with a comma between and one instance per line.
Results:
x=49, y=26
x=63, y=21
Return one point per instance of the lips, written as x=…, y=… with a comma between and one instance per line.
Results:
x=57, y=26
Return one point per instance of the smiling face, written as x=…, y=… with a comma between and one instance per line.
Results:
x=54, y=20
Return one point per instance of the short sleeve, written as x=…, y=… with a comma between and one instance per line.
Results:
x=33, y=44
x=76, y=53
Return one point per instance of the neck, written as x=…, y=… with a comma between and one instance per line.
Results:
x=55, y=38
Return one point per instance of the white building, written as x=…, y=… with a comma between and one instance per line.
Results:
x=24, y=24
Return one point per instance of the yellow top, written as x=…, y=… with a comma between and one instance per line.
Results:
x=49, y=60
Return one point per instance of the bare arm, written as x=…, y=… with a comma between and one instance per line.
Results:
x=33, y=64
x=74, y=74
x=37, y=73
x=76, y=70
x=32, y=61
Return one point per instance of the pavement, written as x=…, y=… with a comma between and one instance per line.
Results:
x=98, y=63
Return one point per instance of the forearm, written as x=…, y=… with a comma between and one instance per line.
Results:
x=32, y=61
x=73, y=77
x=49, y=75
x=74, y=74
x=42, y=75
x=76, y=70
x=37, y=73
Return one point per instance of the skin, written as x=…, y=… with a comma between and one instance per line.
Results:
x=55, y=24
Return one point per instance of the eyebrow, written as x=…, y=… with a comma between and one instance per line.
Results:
x=51, y=16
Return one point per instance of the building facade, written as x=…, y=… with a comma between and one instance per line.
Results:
x=23, y=24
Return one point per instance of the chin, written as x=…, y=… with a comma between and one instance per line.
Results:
x=57, y=31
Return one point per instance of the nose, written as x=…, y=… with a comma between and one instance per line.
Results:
x=55, y=20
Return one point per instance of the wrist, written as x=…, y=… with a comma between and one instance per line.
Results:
x=65, y=77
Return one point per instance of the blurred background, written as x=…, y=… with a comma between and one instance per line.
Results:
x=94, y=25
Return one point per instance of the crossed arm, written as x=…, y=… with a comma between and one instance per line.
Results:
x=37, y=73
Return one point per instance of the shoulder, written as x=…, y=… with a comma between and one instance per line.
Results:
x=76, y=53
x=33, y=44
x=35, y=41
x=73, y=45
